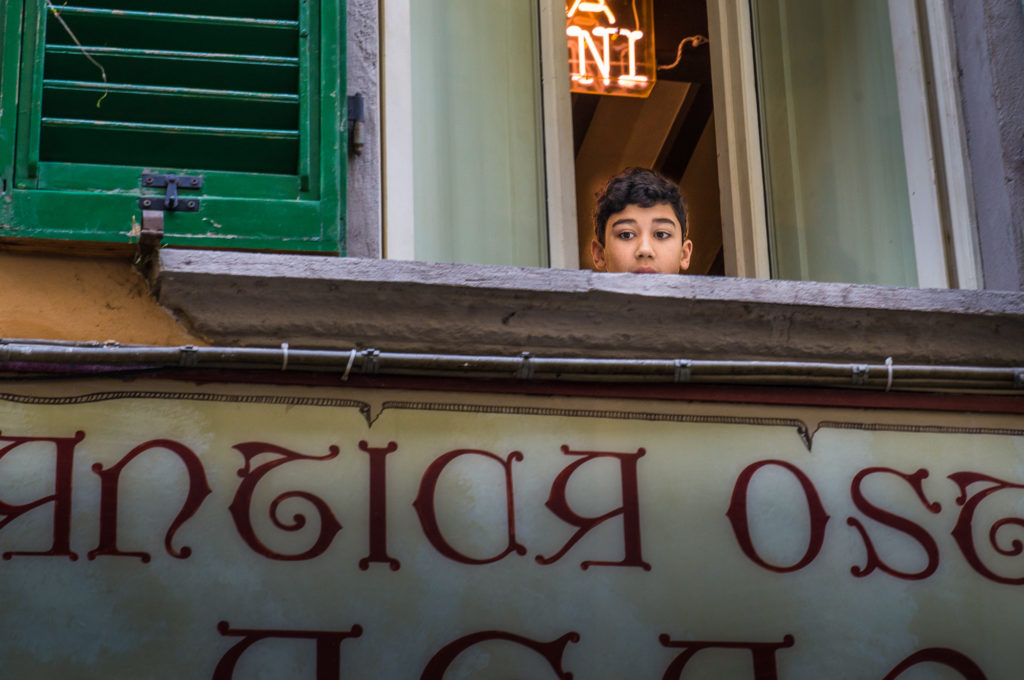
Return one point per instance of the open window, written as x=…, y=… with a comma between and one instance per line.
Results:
x=842, y=143
x=811, y=142
x=101, y=101
x=670, y=129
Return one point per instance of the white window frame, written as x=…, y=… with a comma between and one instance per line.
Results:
x=559, y=156
x=942, y=212
x=398, y=217
x=397, y=125
x=942, y=208
x=738, y=137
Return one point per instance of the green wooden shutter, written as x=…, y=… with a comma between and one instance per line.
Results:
x=248, y=94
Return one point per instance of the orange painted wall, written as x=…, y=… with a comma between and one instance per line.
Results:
x=57, y=297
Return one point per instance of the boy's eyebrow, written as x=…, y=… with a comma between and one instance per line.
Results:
x=630, y=220
x=657, y=220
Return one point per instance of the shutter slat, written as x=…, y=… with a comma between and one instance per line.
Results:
x=194, y=19
x=175, y=69
x=199, y=93
x=179, y=87
x=176, y=32
x=173, y=55
x=126, y=126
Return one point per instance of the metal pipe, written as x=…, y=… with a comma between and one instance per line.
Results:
x=28, y=357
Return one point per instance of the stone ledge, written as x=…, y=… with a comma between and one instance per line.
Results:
x=246, y=299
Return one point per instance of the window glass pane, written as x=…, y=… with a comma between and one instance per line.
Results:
x=477, y=138
x=836, y=178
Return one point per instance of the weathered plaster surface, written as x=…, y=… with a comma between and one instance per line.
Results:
x=364, y=195
x=68, y=298
x=321, y=302
x=990, y=53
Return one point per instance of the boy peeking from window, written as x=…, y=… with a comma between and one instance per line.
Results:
x=640, y=225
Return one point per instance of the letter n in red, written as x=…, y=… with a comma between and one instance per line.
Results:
x=198, y=490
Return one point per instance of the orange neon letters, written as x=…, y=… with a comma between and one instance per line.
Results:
x=606, y=58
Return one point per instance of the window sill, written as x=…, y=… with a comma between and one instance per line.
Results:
x=246, y=299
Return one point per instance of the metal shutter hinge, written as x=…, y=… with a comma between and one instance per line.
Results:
x=170, y=201
x=356, y=116
x=154, y=207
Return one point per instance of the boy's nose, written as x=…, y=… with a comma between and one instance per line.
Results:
x=644, y=248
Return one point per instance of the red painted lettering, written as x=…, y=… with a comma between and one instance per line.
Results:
x=61, y=498
x=896, y=522
x=946, y=657
x=737, y=515
x=328, y=648
x=963, y=532
x=240, y=506
x=424, y=505
x=630, y=509
x=762, y=653
x=551, y=651
x=378, y=507
x=198, y=490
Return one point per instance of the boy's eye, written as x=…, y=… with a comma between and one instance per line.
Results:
x=625, y=235
x=661, y=235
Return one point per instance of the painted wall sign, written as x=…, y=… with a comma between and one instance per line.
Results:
x=611, y=46
x=266, y=532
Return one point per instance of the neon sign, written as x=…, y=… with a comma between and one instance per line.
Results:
x=611, y=46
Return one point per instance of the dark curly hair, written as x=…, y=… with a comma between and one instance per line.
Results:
x=636, y=186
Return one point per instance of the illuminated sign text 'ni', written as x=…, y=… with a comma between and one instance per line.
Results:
x=611, y=46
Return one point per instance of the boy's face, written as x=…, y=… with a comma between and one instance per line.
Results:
x=643, y=241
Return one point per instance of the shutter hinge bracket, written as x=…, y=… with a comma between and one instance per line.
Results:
x=356, y=116
x=154, y=207
x=170, y=201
